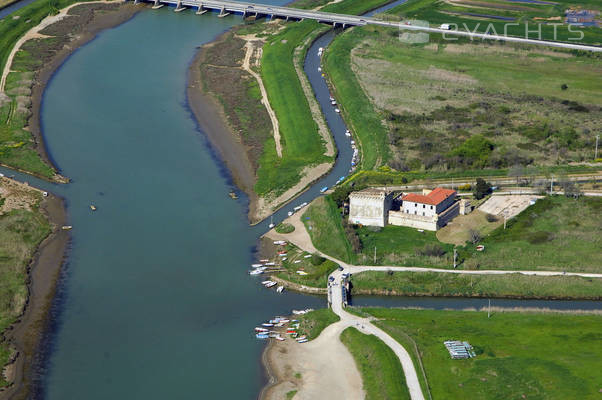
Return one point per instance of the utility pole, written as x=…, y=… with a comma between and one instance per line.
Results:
x=374, y=255
x=456, y=258
x=596, y=152
x=489, y=310
x=551, y=184
x=505, y=217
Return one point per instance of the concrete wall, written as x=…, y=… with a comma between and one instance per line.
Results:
x=425, y=210
x=400, y=218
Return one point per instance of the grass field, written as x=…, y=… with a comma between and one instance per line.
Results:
x=21, y=231
x=519, y=355
x=511, y=285
x=16, y=144
x=382, y=375
x=323, y=222
x=314, y=322
x=557, y=233
x=400, y=245
x=454, y=106
x=302, y=145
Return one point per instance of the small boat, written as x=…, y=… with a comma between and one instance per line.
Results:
x=319, y=69
x=271, y=284
x=297, y=261
x=267, y=324
x=331, y=98
x=284, y=320
x=261, y=335
x=93, y=207
x=67, y=227
x=303, y=204
x=334, y=103
x=256, y=272
x=325, y=188
x=280, y=289
x=258, y=329
x=270, y=264
x=301, y=340
x=347, y=133
x=271, y=225
x=284, y=259
x=280, y=338
x=480, y=247
x=301, y=273
x=307, y=256
x=232, y=195
x=290, y=213
x=256, y=265
x=265, y=282
x=280, y=242
x=336, y=110
x=297, y=208
x=264, y=260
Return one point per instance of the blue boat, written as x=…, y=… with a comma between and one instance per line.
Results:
x=261, y=335
x=325, y=188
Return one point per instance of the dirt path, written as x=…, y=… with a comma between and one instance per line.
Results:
x=246, y=65
x=33, y=33
x=320, y=369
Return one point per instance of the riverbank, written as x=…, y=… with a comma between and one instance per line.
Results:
x=78, y=24
x=38, y=280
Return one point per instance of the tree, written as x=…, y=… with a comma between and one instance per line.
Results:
x=482, y=189
x=475, y=236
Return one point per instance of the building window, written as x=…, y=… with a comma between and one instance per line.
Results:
x=423, y=213
x=423, y=206
x=431, y=207
x=415, y=212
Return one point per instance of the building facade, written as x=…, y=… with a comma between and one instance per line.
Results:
x=430, y=210
x=370, y=207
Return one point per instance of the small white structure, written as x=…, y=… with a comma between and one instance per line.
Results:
x=430, y=210
x=370, y=207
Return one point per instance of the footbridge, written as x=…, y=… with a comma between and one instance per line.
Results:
x=339, y=20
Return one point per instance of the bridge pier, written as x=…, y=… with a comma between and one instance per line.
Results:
x=223, y=13
x=157, y=5
x=200, y=10
x=179, y=7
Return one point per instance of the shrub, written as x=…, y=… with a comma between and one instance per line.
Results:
x=475, y=236
x=540, y=237
x=317, y=259
x=465, y=187
x=431, y=250
x=490, y=218
x=284, y=228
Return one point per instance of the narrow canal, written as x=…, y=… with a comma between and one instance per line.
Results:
x=155, y=301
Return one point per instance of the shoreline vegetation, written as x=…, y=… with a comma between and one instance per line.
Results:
x=31, y=68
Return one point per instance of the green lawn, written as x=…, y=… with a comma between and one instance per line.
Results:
x=314, y=322
x=519, y=355
x=400, y=245
x=21, y=232
x=323, y=222
x=557, y=233
x=381, y=371
x=444, y=284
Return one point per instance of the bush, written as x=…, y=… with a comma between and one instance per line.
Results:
x=465, y=187
x=490, y=218
x=316, y=259
x=540, y=237
x=431, y=250
x=284, y=228
x=475, y=236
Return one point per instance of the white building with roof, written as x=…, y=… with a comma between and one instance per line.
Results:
x=370, y=207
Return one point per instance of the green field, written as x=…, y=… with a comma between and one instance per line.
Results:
x=440, y=12
x=455, y=106
x=302, y=145
x=557, y=233
x=16, y=144
x=445, y=284
x=382, y=375
x=323, y=222
x=21, y=232
x=519, y=355
x=314, y=322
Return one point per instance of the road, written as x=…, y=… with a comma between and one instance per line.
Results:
x=245, y=8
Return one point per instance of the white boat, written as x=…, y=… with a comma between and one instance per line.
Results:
x=331, y=98
x=271, y=284
x=282, y=255
x=302, y=341
x=280, y=242
x=301, y=273
x=303, y=204
x=297, y=261
x=334, y=103
x=290, y=213
x=270, y=264
x=256, y=272
x=319, y=69
x=307, y=256
x=265, y=282
x=267, y=324
x=258, y=329
x=337, y=110
x=280, y=289
x=297, y=208
x=347, y=133
x=264, y=260
x=278, y=337
x=256, y=265
x=271, y=225
x=67, y=227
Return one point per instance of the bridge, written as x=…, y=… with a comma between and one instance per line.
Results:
x=257, y=10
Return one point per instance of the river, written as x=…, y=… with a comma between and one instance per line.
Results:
x=155, y=301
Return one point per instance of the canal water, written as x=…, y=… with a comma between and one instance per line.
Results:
x=155, y=302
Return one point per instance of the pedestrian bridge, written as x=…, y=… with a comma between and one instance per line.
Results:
x=255, y=9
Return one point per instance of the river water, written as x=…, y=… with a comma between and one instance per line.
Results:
x=155, y=302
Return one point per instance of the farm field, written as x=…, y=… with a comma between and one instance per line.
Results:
x=518, y=354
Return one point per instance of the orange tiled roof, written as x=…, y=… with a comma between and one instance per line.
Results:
x=433, y=198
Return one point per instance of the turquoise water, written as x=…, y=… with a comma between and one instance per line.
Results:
x=156, y=302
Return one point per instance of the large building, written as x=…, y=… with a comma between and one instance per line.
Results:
x=431, y=210
x=370, y=207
